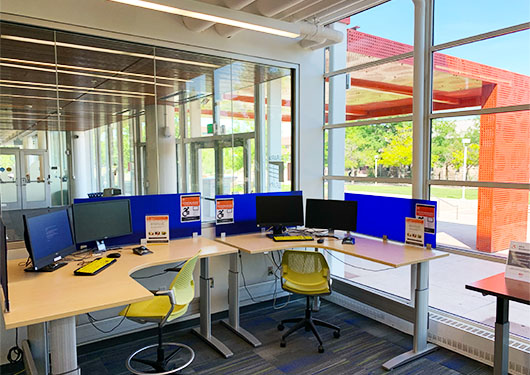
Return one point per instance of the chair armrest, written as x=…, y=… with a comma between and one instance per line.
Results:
x=168, y=293
x=173, y=269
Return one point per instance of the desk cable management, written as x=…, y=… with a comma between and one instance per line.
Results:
x=15, y=354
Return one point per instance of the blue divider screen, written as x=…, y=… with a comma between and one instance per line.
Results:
x=378, y=216
x=245, y=213
x=142, y=205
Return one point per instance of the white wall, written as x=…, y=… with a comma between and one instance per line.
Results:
x=107, y=19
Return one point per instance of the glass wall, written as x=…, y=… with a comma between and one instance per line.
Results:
x=477, y=140
x=218, y=125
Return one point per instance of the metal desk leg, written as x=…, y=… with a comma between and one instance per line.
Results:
x=63, y=347
x=233, y=304
x=502, y=338
x=36, y=350
x=421, y=307
x=205, y=330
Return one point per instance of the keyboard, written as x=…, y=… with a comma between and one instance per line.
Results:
x=282, y=238
x=94, y=267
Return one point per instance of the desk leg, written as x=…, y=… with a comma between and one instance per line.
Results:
x=63, y=347
x=36, y=350
x=421, y=308
x=232, y=322
x=502, y=338
x=205, y=330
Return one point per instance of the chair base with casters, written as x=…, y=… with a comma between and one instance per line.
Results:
x=162, y=365
x=309, y=323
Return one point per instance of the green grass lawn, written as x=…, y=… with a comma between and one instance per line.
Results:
x=436, y=191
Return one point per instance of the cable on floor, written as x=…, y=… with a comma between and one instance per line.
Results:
x=15, y=354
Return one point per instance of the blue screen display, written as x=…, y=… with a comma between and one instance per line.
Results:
x=49, y=234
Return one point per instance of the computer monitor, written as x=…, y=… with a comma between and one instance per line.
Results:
x=331, y=214
x=279, y=211
x=98, y=221
x=48, y=239
x=3, y=264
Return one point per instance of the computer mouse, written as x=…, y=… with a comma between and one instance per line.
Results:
x=320, y=240
x=114, y=255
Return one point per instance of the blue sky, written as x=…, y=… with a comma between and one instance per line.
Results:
x=455, y=19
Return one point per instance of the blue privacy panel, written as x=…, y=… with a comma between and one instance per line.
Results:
x=378, y=216
x=245, y=213
x=142, y=205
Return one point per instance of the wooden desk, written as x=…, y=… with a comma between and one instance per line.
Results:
x=390, y=254
x=505, y=290
x=57, y=297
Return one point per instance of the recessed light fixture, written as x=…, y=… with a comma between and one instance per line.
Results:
x=182, y=11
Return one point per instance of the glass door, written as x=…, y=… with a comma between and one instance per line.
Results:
x=24, y=179
x=35, y=179
x=10, y=190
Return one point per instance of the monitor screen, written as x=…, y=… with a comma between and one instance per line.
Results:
x=279, y=210
x=48, y=237
x=3, y=264
x=96, y=221
x=331, y=214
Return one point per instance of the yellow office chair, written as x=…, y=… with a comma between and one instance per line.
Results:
x=307, y=273
x=165, y=306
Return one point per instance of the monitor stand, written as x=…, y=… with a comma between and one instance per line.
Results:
x=49, y=268
x=277, y=230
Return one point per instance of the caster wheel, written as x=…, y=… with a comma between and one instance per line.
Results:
x=283, y=344
x=280, y=327
x=321, y=349
x=336, y=334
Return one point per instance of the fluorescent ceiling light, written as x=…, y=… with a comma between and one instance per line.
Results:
x=151, y=77
x=210, y=17
x=106, y=50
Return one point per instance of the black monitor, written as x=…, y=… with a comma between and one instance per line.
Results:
x=48, y=239
x=98, y=221
x=3, y=264
x=279, y=211
x=331, y=214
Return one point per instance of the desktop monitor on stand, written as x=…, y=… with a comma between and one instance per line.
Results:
x=98, y=221
x=331, y=215
x=3, y=265
x=279, y=211
x=48, y=239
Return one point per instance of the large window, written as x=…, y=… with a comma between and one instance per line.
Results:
x=476, y=138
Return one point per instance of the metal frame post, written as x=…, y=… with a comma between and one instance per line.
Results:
x=232, y=322
x=502, y=338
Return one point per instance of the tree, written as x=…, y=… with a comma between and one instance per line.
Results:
x=398, y=151
x=444, y=142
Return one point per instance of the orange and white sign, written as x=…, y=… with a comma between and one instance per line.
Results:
x=414, y=234
x=157, y=228
x=427, y=212
x=190, y=208
x=224, y=211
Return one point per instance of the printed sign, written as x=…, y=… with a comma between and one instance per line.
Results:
x=414, y=231
x=157, y=228
x=190, y=208
x=224, y=211
x=518, y=264
x=427, y=213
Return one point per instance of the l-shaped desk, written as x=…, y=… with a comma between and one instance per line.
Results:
x=56, y=298
x=378, y=251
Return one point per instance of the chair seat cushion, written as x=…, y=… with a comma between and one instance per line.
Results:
x=314, y=289
x=153, y=309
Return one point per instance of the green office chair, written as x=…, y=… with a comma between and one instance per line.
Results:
x=306, y=273
x=165, y=306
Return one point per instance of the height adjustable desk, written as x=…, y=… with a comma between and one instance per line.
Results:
x=505, y=290
x=389, y=254
x=55, y=298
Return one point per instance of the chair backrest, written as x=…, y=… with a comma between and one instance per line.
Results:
x=183, y=285
x=304, y=262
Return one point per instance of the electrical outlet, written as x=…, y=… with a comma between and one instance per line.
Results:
x=269, y=271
